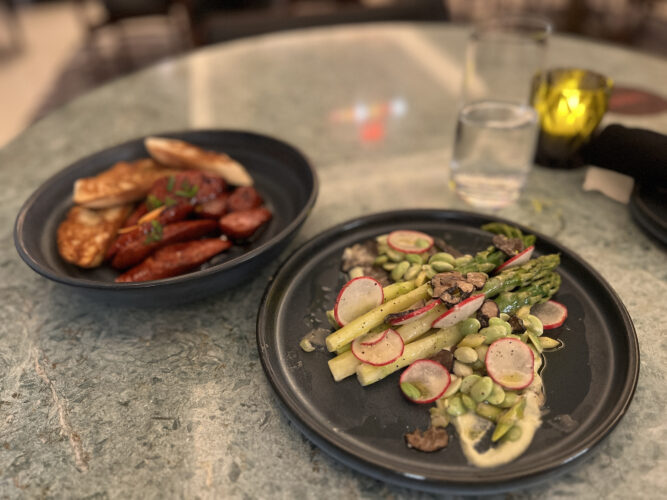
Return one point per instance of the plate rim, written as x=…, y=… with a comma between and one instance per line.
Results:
x=290, y=228
x=344, y=454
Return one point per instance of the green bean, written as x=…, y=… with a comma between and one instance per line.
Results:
x=455, y=407
x=482, y=389
x=470, y=326
x=465, y=355
x=441, y=266
x=468, y=382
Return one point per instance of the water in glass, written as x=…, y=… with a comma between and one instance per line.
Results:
x=493, y=152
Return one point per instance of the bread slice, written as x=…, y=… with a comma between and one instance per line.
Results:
x=175, y=153
x=124, y=182
x=86, y=234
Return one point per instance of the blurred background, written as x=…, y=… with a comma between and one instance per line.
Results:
x=52, y=51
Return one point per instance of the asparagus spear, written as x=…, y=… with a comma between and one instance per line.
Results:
x=519, y=276
x=374, y=317
x=510, y=232
x=483, y=262
x=536, y=292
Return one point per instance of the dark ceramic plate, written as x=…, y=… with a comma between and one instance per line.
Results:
x=648, y=206
x=589, y=384
x=282, y=175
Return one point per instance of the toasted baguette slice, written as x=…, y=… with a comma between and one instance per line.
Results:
x=85, y=235
x=180, y=154
x=124, y=182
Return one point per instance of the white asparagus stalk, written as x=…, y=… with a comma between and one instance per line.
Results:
x=345, y=364
x=419, y=349
x=374, y=317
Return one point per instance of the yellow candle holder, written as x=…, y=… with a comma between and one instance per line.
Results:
x=570, y=104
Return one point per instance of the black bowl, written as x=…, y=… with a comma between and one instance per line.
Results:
x=282, y=175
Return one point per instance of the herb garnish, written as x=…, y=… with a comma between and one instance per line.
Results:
x=170, y=183
x=169, y=201
x=155, y=234
x=153, y=202
x=187, y=190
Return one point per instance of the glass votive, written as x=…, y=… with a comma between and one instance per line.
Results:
x=570, y=104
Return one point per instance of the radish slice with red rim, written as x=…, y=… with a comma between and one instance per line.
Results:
x=408, y=241
x=510, y=363
x=518, y=260
x=552, y=314
x=459, y=312
x=411, y=315
x=357, y=297
x=380, y=353
x=424, y=381
x=373, y=338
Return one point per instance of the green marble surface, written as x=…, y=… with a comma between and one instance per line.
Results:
x=99, y=402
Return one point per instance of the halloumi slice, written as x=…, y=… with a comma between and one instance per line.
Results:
x=86, y=234
x=124, y=182
x=180, y=154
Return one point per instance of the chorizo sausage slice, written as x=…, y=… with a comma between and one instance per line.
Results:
x=213, y=209
x=241, y=225
x=138, y=249
x=244, y=198
x=175, y=259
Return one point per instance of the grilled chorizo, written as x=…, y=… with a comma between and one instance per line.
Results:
x=175, y=259
x=241, y=225
x=244, y=198
x=159, y=236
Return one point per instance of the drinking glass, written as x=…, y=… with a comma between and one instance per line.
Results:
x=496, y=129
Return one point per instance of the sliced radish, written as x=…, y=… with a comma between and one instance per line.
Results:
x=373, y=338
x=552, y=314
x=509, y=362
x=428, y=380
x=411, y=315
x=387, y=350
x=357, y=297
x=408, y=241
x=459, y=312
x=518, y=260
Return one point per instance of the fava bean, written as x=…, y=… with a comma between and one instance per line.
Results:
x=461, y=369
x=497, y=395
x=473, y=340
x=481, y=351
x=420, y=279
x=468, y=382
x=514, y=434
x=549, y=343
x=466, y=355
x=488, y=411
x=468, y=402
x=380, y=259
x=389, y=266
x=442, y=266
x=510, y=400
x=400, y=269
x=442, y=257
x=492, y=333
x=454, y=385
x=413, y=258
x=412, y=272
x=469, y=326
x=482, y=389
x=430, y=272
x=460, y=261
x=356, y=272
x=455, y=407
x=394, y=255
x=500, y=322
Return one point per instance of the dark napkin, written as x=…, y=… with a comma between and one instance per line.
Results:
x=639, y=153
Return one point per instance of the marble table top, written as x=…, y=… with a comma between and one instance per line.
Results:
x=103, y=402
